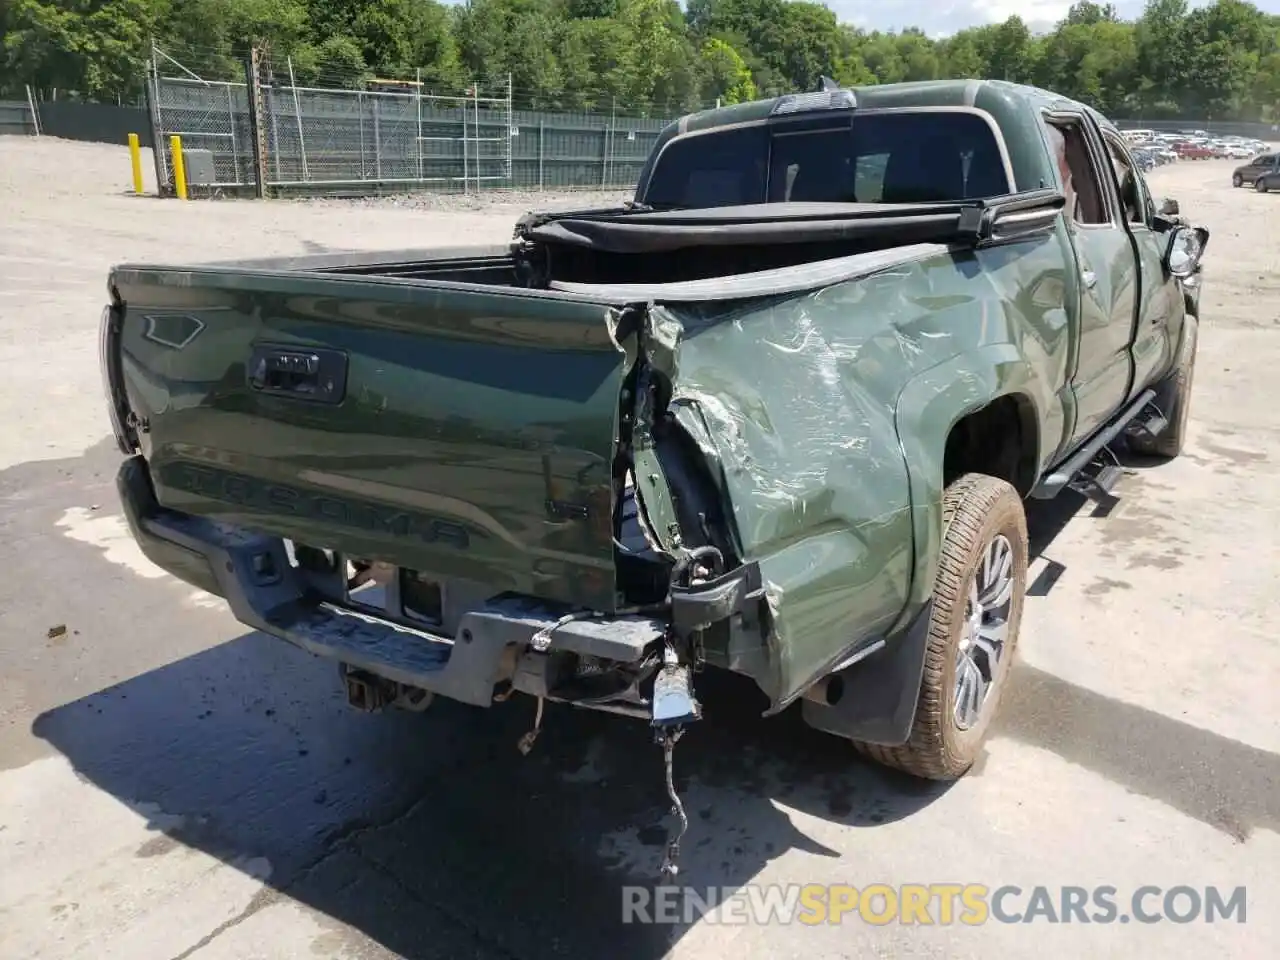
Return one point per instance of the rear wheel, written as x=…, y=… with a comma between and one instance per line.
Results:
x=973, y=629
x=1261, y=185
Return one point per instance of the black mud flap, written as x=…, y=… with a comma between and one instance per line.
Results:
x=877, y=697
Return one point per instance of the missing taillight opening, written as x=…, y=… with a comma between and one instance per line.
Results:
x=421, y=598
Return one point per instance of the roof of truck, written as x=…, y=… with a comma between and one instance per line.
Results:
x=917, y=93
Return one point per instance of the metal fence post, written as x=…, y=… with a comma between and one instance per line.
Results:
x=418, y=89
x=158, y=158
x=360, y=118
x=297, y=110
x=231, y=116
x=542, y=133
x=275, y=135
x=377, y=139
x=253, y=74
x=35, y=115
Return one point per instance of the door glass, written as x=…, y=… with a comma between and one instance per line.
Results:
x=1082, y=185
x=1132, y=188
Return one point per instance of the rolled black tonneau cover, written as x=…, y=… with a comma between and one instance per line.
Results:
x=641, y=230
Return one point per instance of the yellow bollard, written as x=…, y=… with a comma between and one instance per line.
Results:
x=179, y=171
x=135, y=158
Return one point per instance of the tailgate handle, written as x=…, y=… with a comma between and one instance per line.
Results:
x=302, y=373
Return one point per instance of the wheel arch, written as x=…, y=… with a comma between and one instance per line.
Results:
x=928, y=413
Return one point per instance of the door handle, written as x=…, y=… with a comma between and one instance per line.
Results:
x=1089, y=278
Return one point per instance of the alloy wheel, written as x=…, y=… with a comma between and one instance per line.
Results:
x=985, y=630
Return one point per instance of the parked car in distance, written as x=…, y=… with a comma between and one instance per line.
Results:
x=1146, y=159
x=1191, y=150
x=1262, y=171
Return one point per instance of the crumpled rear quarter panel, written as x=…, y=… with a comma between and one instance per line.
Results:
x=834, y=489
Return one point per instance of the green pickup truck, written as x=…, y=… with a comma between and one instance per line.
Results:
x=779, y=415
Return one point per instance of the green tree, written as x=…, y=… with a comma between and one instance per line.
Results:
x=1220, y=60
x=1161, y=70
x=961, y=56
x=593, y=59
x=658, y=69
x=99, y=49
x=1008, y=50
x=726, y=76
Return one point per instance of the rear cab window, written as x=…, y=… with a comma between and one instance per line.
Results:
x=891, y=157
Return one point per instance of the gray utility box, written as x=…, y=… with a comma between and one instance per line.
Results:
x=199, y=164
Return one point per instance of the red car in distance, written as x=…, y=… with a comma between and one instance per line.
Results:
x=1188, y=150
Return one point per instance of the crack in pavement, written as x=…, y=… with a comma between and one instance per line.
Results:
x=342, y=838
x=260, y=900
x=439, y=909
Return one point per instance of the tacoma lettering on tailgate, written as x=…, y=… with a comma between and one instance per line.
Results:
x=280, y=498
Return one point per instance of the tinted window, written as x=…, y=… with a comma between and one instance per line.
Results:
x=869, y=158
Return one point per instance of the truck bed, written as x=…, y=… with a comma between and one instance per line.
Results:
x=648, y=247
x=459, y=412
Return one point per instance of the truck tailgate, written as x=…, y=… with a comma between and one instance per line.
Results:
x=462, y=432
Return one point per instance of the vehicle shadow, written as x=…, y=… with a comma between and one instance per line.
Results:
x=423, y=830
x=434, y=837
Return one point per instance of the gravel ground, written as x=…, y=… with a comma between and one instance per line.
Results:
x=76, y=215
x=172, y=786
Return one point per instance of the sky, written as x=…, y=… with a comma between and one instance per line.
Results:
x=942, y=17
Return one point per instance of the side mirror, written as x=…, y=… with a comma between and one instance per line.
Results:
x=1169, y=207
x=1186, y=247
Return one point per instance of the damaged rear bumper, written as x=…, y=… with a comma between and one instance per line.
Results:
x=496, y=641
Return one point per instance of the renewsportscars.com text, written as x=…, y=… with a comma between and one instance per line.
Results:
x=943, y=904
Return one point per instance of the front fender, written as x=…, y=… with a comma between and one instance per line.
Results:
x=928, y=407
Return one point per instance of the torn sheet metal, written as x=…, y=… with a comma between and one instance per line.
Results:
x=795, y=402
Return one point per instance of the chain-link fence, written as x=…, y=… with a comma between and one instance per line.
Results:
x=320, y=140
x=212, y=118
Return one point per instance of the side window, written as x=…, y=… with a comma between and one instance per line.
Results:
x=868, y=177
x=1133, y=193
x=1083, y=186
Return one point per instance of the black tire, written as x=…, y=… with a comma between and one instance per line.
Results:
x=1261, y=185
x=1237, y=181
x=975, y=510
x=1173, y=397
